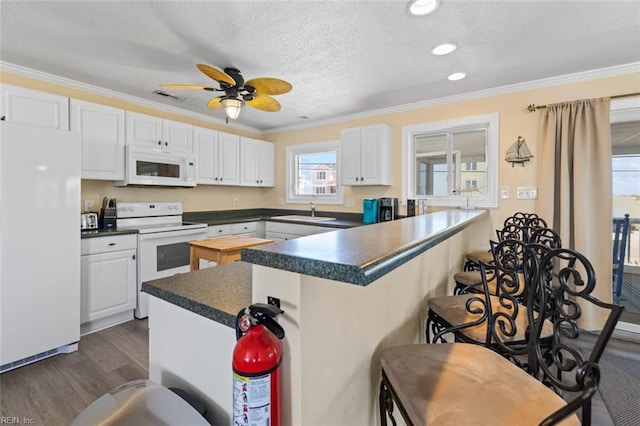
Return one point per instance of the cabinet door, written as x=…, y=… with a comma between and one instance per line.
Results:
x=266, y=164
x=228, y=159
x=249, y=157
x=350, y=156
x=375, y=155
x=101, y=131
x=177, y=136
x=108, y=284
x=206, y=148
x=143, y=130
x=35, y=108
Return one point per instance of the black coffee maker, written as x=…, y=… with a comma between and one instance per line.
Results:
x=388, y=209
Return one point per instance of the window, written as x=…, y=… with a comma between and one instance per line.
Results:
x=312, y=173
x=452, y=163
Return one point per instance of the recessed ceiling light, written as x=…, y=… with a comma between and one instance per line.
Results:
x=456, y=76
x=444, y=49
x=422, y=7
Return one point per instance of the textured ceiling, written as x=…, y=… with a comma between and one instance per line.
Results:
x=342, y=57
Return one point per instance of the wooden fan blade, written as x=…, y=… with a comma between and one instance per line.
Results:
x=184, y=86
x=215, y=103
x=269, y=86
x=216, y=74
x=264, y=103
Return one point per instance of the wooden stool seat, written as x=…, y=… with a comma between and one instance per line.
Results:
x=465, y=384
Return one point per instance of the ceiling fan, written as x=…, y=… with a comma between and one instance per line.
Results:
x=256, y=92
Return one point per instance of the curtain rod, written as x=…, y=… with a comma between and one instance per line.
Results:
x=533, y=108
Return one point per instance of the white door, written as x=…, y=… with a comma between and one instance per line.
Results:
x=101, y=131
x=350, y=156
x=108, y=284
x=249, y=158
x=177, y=136
x=144, y=130
x=266, y=164
x=34, y=108
x=370, y=151
x=206, y=147
x=228, y=159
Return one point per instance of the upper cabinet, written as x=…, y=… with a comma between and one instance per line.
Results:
x=154, y=132
x=257, y=166
x=365, y=155
x=217, y=157
x=101, y=131
x=35, y=108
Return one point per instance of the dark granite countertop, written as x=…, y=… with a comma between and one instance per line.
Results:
x=216, y=293
x=93, y=233
x=222, y=217
x=361, y=255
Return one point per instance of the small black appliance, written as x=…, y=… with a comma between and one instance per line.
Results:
x=388, y=209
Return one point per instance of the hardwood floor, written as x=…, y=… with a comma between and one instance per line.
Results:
x=55, y=390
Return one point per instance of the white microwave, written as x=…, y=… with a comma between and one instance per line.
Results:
x=147, y=166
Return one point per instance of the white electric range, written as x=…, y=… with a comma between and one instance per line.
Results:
x=163, y=237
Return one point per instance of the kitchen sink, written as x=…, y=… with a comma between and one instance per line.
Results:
x=301, y=218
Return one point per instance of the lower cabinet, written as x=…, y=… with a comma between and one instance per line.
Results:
x=108, y=281
x=287, y=231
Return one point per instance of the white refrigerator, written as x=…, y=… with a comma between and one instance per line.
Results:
x=39, y=243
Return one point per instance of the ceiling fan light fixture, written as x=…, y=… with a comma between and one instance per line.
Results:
x=422, y=7
x=444, y=49
x=232, y=107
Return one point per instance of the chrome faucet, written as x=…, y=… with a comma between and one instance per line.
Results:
x=313, y=209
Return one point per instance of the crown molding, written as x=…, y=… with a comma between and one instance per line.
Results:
x=96, y=90
x=479, y=94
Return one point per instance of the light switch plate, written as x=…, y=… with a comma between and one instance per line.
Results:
x=504, y=192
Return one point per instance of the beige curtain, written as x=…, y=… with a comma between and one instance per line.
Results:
x=575, y=186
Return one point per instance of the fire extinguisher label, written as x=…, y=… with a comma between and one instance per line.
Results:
x=251, y=400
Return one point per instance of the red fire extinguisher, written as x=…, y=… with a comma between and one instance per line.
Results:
x=256, y=366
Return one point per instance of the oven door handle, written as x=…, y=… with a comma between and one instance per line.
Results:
x=168, y=234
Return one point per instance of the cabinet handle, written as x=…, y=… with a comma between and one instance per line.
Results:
x=219, y=230
x=220, y=179
x=216, y=179
x=356, y=178
x=3, y=118
x=112, y=244
x=166, y=143
x=133, y=257
x=159, y=142
x=361, y=179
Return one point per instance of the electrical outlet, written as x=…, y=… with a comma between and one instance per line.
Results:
x=350, y=202
x=88, y=205
x=527, y=193
x=504, y=192
x=236, y=202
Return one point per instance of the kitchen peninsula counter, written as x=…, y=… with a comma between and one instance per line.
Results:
x=214, y=293
x=364, y=254
x=346, y=295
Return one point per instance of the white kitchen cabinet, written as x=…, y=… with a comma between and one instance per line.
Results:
x=101, y=131
x=249, y=229
x=257, y=162
x=33, y=107
x=366, y=155
x=108, y=281
x=154, y=132
x=287, y=231
x=217, y=157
